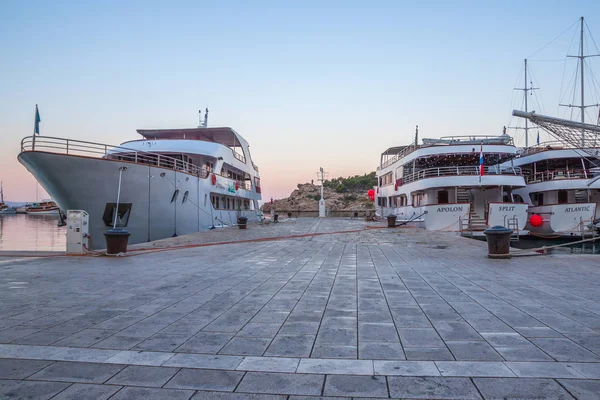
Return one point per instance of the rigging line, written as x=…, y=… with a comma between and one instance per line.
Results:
x=553, y=40
x=592, y=78
x=535, y=83
x=562, y=94
x=541, y=60
x=591, y=36
x=568, y=85
x=512, y=100
x=574, y=91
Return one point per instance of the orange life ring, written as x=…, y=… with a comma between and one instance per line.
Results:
x=213, y=179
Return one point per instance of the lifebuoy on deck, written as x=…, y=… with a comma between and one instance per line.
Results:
x=213, y=179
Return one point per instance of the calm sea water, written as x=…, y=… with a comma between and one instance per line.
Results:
x=31, y=232
x=41, y=233
x=592, y=247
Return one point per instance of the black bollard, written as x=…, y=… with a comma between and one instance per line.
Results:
x=391, y=220
x=498, y=239
x=116, y=241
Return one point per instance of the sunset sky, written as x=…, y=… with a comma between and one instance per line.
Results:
x=307, y=83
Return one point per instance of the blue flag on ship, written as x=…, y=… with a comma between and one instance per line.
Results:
x=37, y=120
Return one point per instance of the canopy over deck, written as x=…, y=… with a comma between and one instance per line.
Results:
x=392, y=151
x=225, y=136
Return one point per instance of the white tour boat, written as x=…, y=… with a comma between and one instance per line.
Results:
x=442, y=185
x=171, y=182
x=46, y=207
x=563, y=185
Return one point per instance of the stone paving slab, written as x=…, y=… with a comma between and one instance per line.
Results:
x=425, y=313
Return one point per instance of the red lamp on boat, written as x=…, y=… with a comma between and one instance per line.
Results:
x=536, y=220
x=371, y=194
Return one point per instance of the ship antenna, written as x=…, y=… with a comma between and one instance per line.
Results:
x=206, y=118
x=526, y=91
x=417, y=135
x=583, y=106
x=199, y=118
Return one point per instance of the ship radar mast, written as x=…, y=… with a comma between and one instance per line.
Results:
x=526, y=91
x=581, y=61
x=203, y=124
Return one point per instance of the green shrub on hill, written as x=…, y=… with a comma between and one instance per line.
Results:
x=352, y=184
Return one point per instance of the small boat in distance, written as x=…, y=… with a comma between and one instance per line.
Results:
x=5, y=209
x=46, y=207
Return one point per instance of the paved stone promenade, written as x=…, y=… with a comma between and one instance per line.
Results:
x=379, y=313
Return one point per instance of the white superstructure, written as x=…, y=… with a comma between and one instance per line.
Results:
x=438, y=185
x=174, y=181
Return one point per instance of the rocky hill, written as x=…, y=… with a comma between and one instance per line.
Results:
x=341, y=194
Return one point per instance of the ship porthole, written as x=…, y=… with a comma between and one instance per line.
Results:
x=175, y=195
x=185, y=196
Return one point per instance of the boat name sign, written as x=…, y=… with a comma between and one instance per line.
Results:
x=506, y=208
x=578, y=209
x=450, y=209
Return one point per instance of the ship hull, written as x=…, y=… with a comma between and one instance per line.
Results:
x=156, y=211
x=566, y=220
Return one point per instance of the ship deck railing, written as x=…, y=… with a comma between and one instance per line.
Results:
x=105, y=151
x=460, y=171
x=449, y=141
x=546, y=176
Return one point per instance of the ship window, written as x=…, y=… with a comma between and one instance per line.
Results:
x=403, y=200
x=387, y=179
x=563, y=197
x=185, y=196
x=537, y=199
x=175, y=195
x=518, y=198
x=122, y=215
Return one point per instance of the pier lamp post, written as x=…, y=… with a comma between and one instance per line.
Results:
x=321, y=176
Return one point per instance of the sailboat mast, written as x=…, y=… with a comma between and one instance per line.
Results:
x=582, y=59
x=526, y=110
x=1, y=194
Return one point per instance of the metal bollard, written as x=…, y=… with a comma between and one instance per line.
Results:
x=391, y=220
x=498, y=239
x=116, y=240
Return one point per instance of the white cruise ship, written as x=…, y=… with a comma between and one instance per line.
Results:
x=439, y=185
x=172, y=181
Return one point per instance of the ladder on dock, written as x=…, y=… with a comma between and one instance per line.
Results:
x=513, y=224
